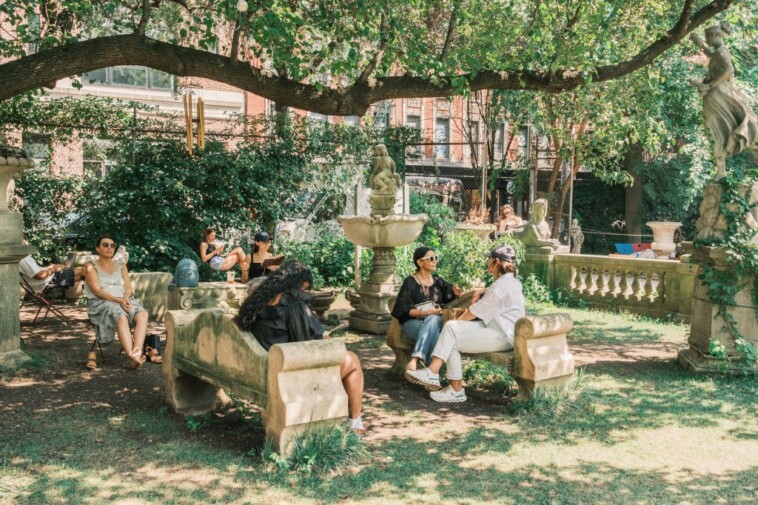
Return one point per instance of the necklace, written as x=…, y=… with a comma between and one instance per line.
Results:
x=424, y=283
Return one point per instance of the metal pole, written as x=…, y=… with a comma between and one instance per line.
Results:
x=358, y=249
x=571, y=207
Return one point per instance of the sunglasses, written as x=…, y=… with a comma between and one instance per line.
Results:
x=433, y=259
x=108, y=245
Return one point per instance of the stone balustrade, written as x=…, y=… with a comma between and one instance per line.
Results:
x=649, y=287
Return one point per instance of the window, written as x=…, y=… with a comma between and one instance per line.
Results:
x=315, y=116
x=129, y=76
x=37, y=146
x=382, y=114
x=476, y=149
x=352, y=120
x=414, y=122
x=499, y=140
x=523, y=144
x=96, y=157
x=34, y=27
x=441, y=138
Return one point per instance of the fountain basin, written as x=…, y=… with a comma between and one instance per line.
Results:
x=383, y=231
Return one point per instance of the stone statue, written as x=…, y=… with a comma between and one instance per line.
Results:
x=577, y=237
x=384, y=179
x=537, y=232
x=732, y=123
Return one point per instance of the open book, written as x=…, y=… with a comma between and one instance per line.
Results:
x=269, y=262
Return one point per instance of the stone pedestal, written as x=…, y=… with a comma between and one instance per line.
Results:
x=11, y=251
x=540, y=261
x=373, y=312
x=705, y=327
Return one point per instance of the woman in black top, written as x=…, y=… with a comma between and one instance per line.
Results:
x=423, y=325
x=261, y=247
x=277, y=312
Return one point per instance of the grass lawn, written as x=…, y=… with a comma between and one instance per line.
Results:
x=634, y=428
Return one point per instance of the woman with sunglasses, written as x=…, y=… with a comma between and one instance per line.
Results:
x=111, y=305
x=423, y=324
x=508, y=220
x=487, y=326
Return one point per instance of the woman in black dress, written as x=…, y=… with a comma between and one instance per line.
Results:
x=423, y=325
x=277, y=312
x=261, y=247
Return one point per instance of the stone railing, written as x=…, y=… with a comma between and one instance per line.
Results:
x=647, y=287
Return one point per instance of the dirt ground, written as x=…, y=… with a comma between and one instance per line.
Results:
x=62, y=380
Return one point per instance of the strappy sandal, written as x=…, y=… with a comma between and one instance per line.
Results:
x=92, y=360
x=152, y=355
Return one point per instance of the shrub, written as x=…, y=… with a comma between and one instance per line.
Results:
x=535, y=291
x=441, y=218
x=321, y=449
x=330, y=256
x=48, y=203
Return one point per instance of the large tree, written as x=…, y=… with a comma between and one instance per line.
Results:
x=340, y=56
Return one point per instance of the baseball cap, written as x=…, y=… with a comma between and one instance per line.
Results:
x=262, y=236
x=503, y=252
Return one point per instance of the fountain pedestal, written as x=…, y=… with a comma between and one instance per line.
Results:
x=381, y=233
x=11, y=252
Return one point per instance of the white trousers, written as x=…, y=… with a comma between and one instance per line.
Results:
x=469, y=337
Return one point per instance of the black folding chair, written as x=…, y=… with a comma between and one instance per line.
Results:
x=40, y=300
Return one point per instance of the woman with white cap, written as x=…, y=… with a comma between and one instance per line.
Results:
x=487, y=326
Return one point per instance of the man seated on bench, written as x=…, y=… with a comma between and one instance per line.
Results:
x=487, y=326
x=277, y=312
x=52, y=276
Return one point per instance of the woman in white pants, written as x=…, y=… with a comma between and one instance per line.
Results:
x=487, y=326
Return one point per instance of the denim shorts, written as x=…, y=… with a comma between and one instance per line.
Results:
x=216, y=262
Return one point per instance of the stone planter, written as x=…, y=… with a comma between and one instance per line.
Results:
x=663, y=237
x=482, y=231
x=322, y=300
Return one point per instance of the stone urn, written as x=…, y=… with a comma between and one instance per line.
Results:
x=663, y=237
x=322, y=300
x=482, y=231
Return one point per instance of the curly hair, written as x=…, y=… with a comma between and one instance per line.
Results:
x=290, y=276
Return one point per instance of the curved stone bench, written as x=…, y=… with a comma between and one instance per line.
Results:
x=297, y=384
x=540, y=357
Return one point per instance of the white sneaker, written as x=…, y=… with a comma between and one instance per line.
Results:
x=430, y=381
x=448, y=395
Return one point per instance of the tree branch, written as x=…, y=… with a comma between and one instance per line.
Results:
x=146, y=11
x=58, y=62
x=449, y=35
x=363, y=78
x=234, y=51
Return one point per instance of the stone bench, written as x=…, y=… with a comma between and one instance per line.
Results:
x=297, y=385
x=540, y=357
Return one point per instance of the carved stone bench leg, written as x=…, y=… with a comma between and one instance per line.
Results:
x=186, y=394
x=542, y=358
x=305, y=390
x=399, y=346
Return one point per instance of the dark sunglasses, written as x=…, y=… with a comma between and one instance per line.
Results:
x=108, y=245
x=433, y=259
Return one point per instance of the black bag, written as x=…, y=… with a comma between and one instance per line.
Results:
x=153, y=340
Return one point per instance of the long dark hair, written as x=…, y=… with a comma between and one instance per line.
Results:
x=290, y=276
x=419, y=253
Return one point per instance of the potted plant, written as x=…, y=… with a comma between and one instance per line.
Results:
x=477, y=221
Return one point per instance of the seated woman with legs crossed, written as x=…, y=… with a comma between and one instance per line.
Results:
x=487, y=326
x=423, y=324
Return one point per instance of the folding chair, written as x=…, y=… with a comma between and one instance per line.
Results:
x=43, y=302
x=96, y=342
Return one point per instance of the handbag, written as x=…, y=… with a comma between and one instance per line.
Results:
x=152, y=340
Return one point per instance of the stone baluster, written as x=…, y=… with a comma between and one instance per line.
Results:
x=602, y=285
x=661, y=288
x=635, y=285
x=624, y=285
x=612, y=283
x=648, y=287
x=590, y=285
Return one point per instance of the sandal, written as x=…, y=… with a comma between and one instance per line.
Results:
x=152, y=355
x=92, y=360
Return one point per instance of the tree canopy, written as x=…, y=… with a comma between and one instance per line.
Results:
x=338, y=56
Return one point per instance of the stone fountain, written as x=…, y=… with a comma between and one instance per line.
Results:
x=13, y=162
x=382, y=231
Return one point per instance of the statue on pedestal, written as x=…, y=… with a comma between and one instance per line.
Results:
x=536, y=232
x=384, y=179
x=577, y=237
x=732, y=123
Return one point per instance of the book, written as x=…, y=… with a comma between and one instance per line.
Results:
x=270, y=262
